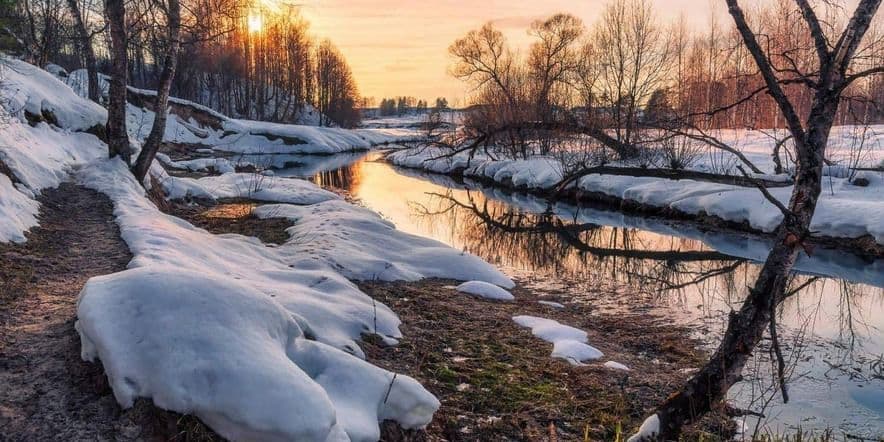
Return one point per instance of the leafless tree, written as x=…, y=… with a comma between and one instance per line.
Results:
x=834, y=73
x=117, y=137
x=84, y=45
x=633, y=53
x=149, y=150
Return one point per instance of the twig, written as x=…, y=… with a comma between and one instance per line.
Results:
x=786, y=212
x=390, y=387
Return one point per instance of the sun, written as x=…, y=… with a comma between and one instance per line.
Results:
x=255, y=22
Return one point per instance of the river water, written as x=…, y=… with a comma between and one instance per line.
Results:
x=832, y=328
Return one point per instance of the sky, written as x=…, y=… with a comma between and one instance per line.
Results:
x=400, y=47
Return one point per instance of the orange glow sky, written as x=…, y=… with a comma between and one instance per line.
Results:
x=399, y=47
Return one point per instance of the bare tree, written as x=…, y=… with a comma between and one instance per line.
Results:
x=747, y=326
x=552, y=59
x=84, y=45
x=633, y=56
x=149, y=150
x=117, y=137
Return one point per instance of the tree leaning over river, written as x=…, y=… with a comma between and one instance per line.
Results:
x=746, y=327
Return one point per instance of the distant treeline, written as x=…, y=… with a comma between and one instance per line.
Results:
x=405, y=105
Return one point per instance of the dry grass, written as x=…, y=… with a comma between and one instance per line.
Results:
x=496, y=381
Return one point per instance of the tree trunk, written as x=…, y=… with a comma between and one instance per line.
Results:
x=84, y=43
x=152, y=144
x=117, y=137
x=746, y=327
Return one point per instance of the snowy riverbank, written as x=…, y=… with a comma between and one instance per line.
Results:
x=845, y=210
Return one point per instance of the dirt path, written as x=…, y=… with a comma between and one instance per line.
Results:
x=46, y=391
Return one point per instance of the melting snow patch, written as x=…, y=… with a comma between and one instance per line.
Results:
x=648, y=430
x=551, y=304
x=258, y=344
x=485, y=290
x=616, y=366
x=361, y=245
x=569, y=343
x=247, y=185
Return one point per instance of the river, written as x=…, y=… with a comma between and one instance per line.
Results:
x=832, y=328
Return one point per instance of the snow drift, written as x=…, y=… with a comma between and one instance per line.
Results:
x=36, y=157
x=258, y=344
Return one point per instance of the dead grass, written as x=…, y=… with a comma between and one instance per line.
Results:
x=232, y=217
x=496, y=381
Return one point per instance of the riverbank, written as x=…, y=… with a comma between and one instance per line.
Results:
x=846, y=217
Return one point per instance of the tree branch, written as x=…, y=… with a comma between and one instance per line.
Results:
x=786, y=212
x=767, y=73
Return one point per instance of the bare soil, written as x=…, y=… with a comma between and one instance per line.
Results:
x=46, y=391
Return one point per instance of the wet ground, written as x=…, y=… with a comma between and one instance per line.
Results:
x=46, y=391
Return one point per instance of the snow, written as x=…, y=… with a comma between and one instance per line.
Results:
x=252, y=186
x=31, y=89
x=843, y=211
x=38, y=157
x=256, y=342
x=18, y=212
x=648, y=430
x=259, y=342
x=220, y=165
x=616, y=366
x=485, y=290
x=837, y=214
x=363, y=246
x=259, y=137
x=551, y=304
x=569, y=343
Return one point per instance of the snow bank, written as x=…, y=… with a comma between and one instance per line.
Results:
x=246, y=185
x=485, y=290
x=35, y=91
x=259, y=137
x=220, y=165
x=361, y=245
x=844, y=210
x=18, y=212
x=39, y=157
x=257, y=343
x=569, y=343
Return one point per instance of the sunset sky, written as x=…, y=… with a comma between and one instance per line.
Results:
x=399, y=47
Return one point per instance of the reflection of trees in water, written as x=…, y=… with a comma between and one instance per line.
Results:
x=668, y=268
x=673, y=269
x=346, y=178
x=548, y=245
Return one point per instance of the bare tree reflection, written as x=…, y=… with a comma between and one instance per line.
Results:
x=669, y=269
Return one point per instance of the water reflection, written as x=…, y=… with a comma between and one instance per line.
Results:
x=831, y=329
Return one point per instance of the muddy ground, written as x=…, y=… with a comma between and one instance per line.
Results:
x=47, y=392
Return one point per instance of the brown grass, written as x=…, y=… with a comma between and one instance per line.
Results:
x=496, y=381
